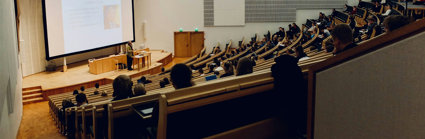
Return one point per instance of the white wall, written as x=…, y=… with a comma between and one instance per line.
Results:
x=163, y=17
x=10, y=91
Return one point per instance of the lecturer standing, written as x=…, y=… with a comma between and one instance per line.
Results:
x=130, y=55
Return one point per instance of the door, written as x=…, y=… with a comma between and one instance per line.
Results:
x=196, y=42
x=181, y=44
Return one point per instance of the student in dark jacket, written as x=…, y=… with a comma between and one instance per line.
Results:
x=122, y=86
x=342, y=38
x=228, y=68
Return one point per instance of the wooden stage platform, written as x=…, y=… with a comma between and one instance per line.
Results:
x=78, y=75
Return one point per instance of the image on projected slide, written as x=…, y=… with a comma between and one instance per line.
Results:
x=112, y=16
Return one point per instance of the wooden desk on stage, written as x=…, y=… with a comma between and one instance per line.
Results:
x=106, y=64
x=146, y=59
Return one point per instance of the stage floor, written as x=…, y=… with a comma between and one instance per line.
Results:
x=79, y=73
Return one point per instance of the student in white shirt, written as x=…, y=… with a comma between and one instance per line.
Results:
x=388, y=10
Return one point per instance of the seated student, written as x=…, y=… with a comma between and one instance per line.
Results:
x=161, y=84
x=201, y=72
x=122, y=86
x=295, y=28
x=216, y=73
x=96, y=91
x=354, y=11
x=181, y=76
x=389, y=10
x=244, y=66
x=253, y=60
x=67, y=103
x=82, y=89
x=81, y=99
x=75, y=92
x=370, y=26
x=280, y=33
x=352, y=22
x=300, y=55
x=394, y=22
x=290, y=90
x=166, y=81
x=228, y=68
x=313, y=27
x=342, y=38
x=275, y=40
x=162, y=71
x=377, y=7
x=143, y=80
x=139, y=89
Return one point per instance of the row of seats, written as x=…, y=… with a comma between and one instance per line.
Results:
x=167, y=101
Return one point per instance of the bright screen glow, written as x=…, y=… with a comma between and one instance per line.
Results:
x=75, y=26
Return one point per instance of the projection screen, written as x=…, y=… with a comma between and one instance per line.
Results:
x=78, y=26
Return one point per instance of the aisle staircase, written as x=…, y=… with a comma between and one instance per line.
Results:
x=32, y=95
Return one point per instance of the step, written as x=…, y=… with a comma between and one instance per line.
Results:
x=30, y=96
x=33, y=100
x=31, y=88
x=32, y=91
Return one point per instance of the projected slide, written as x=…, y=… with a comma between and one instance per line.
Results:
x=79, y=25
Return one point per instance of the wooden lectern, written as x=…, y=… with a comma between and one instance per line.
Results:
x=106, y=64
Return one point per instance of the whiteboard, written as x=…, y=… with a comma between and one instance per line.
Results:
x=229, y=12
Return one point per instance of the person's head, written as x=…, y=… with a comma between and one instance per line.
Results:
x=371, y=19
x=211, y=67
x=166, y=81
x=139, y=89
x=216, y=73
x=122, y=86
x=82, y=88
x=67, y=103
x=228, y=67
x=181, y=76
x=161, y=84
x=394, y=22
x=96, y=85
x=81, y=99
x=244, y=66
x=75, y=92
x=342, y=36
x=299, y=51
x=201, y=71
x=376, y=3
x=286, y=73
x=281, y=29
x=103, y=94
x=143, y=79
x=388, y=6
x=130, y=44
